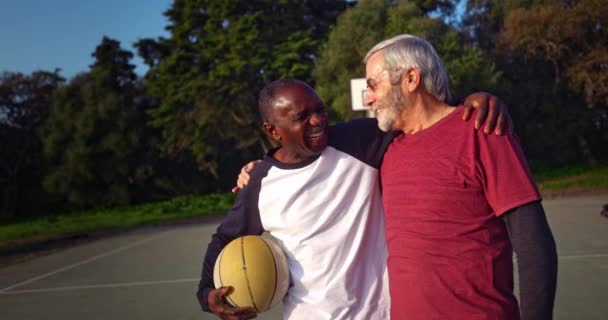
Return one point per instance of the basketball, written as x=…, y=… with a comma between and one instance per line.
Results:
x=256, y=268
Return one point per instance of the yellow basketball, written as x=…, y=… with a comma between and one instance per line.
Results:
x=257, y=270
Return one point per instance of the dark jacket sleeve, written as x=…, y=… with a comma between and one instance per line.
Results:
x=242, y=219
x=534, y=247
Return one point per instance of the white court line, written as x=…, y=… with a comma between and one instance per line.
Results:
x=98, y=286
x=584, y=256
x=576, y=256
x=147, y=283
x=99, y=256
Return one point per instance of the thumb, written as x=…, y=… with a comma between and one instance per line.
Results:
x=224, y=290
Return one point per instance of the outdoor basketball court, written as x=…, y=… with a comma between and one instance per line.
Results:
x=153, y=273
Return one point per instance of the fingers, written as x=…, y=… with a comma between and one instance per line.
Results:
x=231, y=313
x=482, y=112
x=500, y=124
x=244, y=176
x=468, y=111
x=224, y=311
x=472, y=102
x=248, y=167
x=504, y=121
x=507, y=117
x=243, y=179
x=490, y=110
x=215, y=297
x=492, y=115
x=243, y=313
x=477, y=101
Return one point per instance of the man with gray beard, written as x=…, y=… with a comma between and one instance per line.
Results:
x=457, y=202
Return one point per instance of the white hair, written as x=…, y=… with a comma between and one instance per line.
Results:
x=407, y=51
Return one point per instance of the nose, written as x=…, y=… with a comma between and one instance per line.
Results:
x=368, y=98
x=318, y=118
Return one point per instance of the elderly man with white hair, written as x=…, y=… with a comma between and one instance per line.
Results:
x=457, y=201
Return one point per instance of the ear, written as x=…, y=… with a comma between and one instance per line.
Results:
x=410, y=81
x=271, y=131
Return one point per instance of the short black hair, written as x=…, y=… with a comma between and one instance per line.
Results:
x=267, y=97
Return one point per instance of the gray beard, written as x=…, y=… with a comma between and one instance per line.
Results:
x=391, y=109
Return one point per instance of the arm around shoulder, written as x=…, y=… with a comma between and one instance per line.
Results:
x=362, y=139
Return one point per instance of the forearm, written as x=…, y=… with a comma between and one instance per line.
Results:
x=218, y=242
x=534, y=246
x=242, y=219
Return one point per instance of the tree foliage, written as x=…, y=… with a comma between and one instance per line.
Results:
x=571, y=37
x=92, y=136
x=208, y=73
x=341, y=57
x=553, y=57
x=369, y=22
x=25, y=103
x=107, y=138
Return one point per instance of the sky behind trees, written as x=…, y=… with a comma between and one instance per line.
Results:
x=38, y=34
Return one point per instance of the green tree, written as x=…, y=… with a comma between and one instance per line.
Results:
x=208, y=73
x=440, y=7
x=483, y=20
x=571, y=37
x=25, y=102
x=92, y=135
x=369, y=22
x=553, y=57
x=341, y=57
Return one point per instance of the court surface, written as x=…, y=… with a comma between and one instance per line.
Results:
x=152, y=273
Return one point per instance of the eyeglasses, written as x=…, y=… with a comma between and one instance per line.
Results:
x=372, y=83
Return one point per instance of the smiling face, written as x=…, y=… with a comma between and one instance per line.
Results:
x=384, y=99
x=299, y=122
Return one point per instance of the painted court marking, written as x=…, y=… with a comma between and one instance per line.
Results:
x=583, y=256
x=77, y=264
x=98, y=286
x=159, y=282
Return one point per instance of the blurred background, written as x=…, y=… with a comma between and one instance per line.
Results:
x=151, y=106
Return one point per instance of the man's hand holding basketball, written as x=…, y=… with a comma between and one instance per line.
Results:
x=218, y=306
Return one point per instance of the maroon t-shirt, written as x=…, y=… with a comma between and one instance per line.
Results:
x=444, y=189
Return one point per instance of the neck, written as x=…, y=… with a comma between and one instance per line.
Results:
x=286, y=156
x=421, y=112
